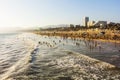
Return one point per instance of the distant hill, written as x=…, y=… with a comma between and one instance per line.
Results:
x=55, y=26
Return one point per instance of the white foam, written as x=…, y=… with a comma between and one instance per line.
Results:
x=21, y=64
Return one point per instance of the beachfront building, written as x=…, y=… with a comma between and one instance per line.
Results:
x=101, y=24
x=85, y=21
x=90, y=23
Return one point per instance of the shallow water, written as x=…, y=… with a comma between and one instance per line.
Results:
x=14, y=52
x=104, y=51
x=29, y=53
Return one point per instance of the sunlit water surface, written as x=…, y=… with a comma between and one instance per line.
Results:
x=19, y=51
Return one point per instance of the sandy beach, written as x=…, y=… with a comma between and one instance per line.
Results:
x=89, y=34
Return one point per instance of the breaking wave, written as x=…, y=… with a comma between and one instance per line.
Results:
x=16, y=54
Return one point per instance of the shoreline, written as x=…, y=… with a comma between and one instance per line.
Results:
x=71, y=35
x=61, y=63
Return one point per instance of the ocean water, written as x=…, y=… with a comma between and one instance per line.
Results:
x=104, y=51
x=27, y=56
x=14, y=53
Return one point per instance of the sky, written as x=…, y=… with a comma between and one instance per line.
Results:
x=38, y=13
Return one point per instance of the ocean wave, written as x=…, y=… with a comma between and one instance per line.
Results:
x=65, y=64
x=55, y=58
x=22, y=62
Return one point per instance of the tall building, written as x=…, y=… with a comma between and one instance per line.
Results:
x=85, y=21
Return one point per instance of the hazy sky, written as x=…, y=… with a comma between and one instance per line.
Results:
x=29, y=13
